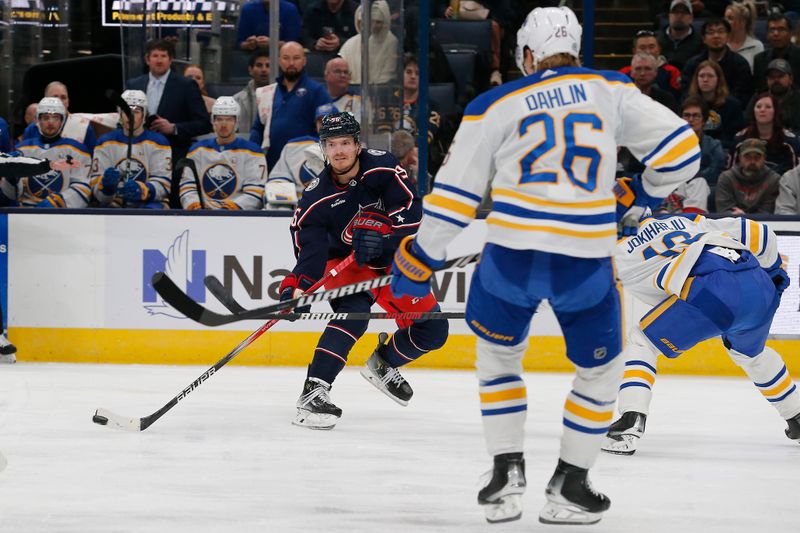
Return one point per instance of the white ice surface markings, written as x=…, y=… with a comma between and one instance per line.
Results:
x=714, y=458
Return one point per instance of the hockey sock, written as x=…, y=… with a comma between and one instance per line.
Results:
x=334, y=345
x=636, y=389
x=588, y=411
x=768, y=373
x=408, y=344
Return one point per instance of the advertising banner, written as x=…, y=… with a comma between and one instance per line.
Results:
x=175, y=13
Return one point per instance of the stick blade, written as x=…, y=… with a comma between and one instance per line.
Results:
x=183, y=303
x=104, y=417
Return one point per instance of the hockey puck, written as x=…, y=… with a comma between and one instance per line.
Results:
x=97, y=419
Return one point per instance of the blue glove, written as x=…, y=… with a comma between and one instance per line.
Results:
x=371, y=228
x=52, y=200
x=137, y=191
x=412, y=270
x=779, y=277
x=630, y=194
x=110, y=181
x=289, y=288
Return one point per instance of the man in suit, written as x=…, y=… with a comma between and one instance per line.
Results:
x=174, y=101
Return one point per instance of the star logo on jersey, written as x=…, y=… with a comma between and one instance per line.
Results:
x=219, y=181
x=42, y=185
x=134, y=168
x=400, y=219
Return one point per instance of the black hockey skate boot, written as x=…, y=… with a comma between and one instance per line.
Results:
x=571, y=498
x=501, y=498
x=386, y=379
x=624, y=434
x=314, y=407
x=8, y=352
x=793, y=431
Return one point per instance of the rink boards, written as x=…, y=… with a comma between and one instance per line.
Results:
x=76, y=289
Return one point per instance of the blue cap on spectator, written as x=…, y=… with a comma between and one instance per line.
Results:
x=325, y=109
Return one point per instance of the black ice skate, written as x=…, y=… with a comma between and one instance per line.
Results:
x=571, y=498
x=501, y=498
x=8, y=352
x=624, y=434
x=793, y=431
x=386, y=379
x=314, y=407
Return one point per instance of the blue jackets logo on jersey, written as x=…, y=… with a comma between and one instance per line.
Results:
x=187, y=268
x=219, y=181
x=42, y=185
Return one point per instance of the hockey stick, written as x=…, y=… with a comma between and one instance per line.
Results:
x=104, y=417
x=128, y=112
x=189, y=163
x=215, y=287
x=178, y=299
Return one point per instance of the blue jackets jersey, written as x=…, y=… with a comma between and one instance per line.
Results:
x=321, y=226
x=254, y=20
x=292, y=115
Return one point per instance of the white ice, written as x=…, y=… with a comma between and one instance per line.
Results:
x=714, y=458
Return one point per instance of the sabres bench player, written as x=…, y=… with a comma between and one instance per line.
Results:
x=362, y=201
x=698, y=278
x=144, y=179
x=232, y=171
x=547, y=144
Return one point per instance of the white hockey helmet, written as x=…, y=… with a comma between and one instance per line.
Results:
x=225, y=106
x=52, y=105
x=548, y=31
x=135, y=99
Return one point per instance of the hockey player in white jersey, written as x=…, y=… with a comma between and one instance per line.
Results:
x=546, y=143
x=144, y=179
x=231, y=170
x=699, y=278
x=300, y=162
x=56, y=188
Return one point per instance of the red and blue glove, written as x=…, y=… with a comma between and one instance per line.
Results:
x=371, y=230
x=290, y=289
x=137, y=191
x=412, y=269
x=51, y=201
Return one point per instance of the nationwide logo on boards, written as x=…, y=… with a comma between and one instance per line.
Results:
x=187, y=268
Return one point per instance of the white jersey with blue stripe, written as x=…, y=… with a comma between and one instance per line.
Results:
x=657, y=261
x=72, y=184
x=300, y=162
x=547, y=143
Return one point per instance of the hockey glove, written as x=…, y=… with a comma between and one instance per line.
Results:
x=631, y=201
x=137, y=191
x=371, y=229
x=52, y=200
x=289, y=290
x=228, y=205
x=110, y=181
x=412, y=270
x=779, y=277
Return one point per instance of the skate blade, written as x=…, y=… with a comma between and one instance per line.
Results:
x=309, y=420
x=557, y=513
x=621, y=445
x=508, y=509
x=369, y=376
x=8, y=359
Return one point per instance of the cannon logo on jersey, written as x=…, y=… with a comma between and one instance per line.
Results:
x=187, y=268
x=219, y=181
x=42, y=185
x=137, y=169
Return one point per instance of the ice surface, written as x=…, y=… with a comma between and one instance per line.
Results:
x=714, y=458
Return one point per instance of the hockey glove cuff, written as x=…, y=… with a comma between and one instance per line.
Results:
x=290, y=289
x=371, y=228
x=412, y=269
x=52, y=200
x=110, y=181
x=137, y=191
x=228, y=205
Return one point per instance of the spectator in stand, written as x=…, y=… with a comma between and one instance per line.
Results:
x=679, y=41
x=779, y=38
x=285, y=109
x=737, y=71
x=668, y=77
x=788, y=202
x=500, y=13
x=337, y=80
x=764, y=122
x=195, y=72
x=694, y=110
x=725, y=118
x=328, y=24
x=258, y=69
x=644, y=70
x=77, y=128
x=741, y=16
x=780, y=84
x=253, y=29
x=750, y=187
x=383, y=46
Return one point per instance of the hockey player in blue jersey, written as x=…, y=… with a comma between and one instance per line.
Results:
x=546, y=143
x=362, y=202
x=141, y=179
x=687, y=279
